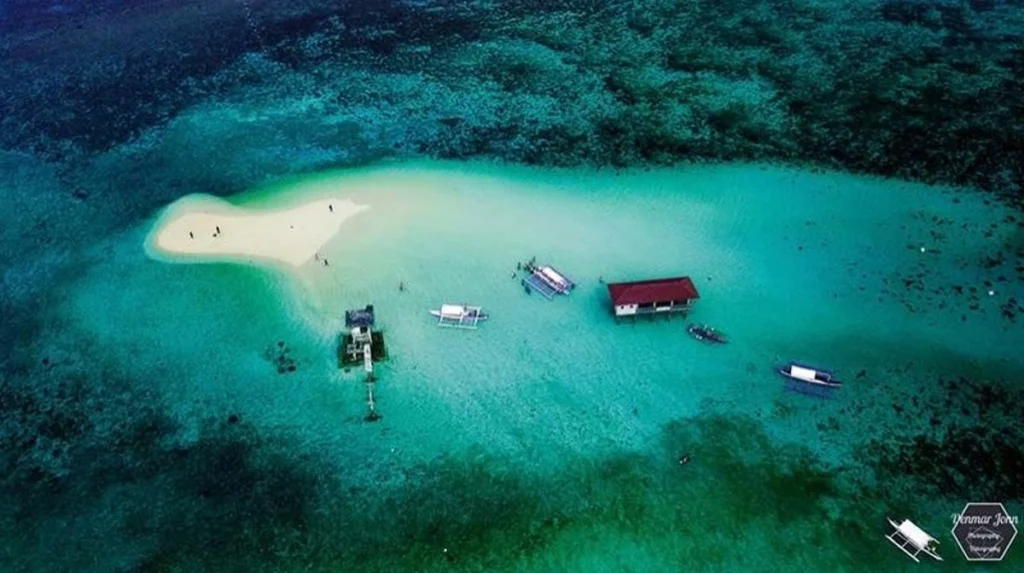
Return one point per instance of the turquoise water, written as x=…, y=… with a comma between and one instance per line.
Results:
x=145, y=426
x=547, y=439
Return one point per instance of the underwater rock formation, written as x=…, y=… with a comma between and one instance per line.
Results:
x=279, y=355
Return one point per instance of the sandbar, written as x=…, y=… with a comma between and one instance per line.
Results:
x=202, y=227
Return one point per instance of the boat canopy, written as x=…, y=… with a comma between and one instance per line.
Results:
x=553, y=275
x=915, y=534
x=452, y=310
x=802, y=373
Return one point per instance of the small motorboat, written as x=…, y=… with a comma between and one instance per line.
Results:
x=705, y=333
x=810, y=375
x=458, y=315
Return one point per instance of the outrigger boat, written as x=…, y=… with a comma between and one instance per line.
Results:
x=705, y=333
x=458, y=315
x=809, y=380
x=546, y=280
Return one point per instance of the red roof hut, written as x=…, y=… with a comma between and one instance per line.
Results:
x=652, y=296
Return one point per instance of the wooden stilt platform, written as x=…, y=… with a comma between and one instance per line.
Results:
x=351, y=354
x=652, y=314
x=360, y=344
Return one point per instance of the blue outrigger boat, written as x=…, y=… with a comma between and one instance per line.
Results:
x=809, y=380
x=705, y=333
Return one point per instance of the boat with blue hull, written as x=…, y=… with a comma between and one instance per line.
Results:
x=705, y=333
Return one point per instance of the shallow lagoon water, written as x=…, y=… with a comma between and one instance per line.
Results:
x=547, y=439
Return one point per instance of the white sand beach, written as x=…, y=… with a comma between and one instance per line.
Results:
x=205, y=227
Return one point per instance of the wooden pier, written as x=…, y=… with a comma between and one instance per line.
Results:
x=360, y=344
x=373, y=415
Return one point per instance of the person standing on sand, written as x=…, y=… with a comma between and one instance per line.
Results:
x=190, y=235
x=331, y=207
x=218, y=230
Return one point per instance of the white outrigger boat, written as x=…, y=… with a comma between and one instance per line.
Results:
x=546, y=280
x=913, y=540
x=458, y=315
x=555, y=279
x=809, y=380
